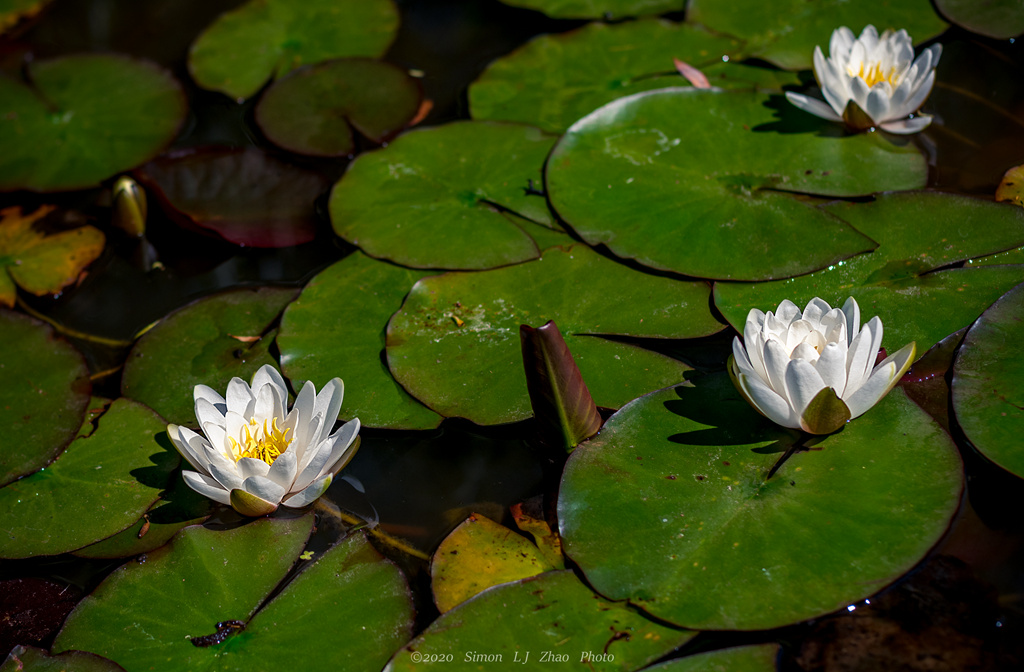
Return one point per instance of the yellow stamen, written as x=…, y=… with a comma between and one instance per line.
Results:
x=875, y=74
x=262, y=443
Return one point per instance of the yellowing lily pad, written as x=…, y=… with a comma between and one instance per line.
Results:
x=669, y=507
x=209, y=341
x=40, y=263
x=102, y=482
x=455, y=345
x=1011, y=188
x=266, y=39
x=68, y=131
x=786, y=32
x=44, y=394
x=918, y=233
x=314, y=109
x=988, y=382
x=555, y=613
x=478, y=554
x=445, y=197
x=336, y=328
x=599, y=9
x=702, y=182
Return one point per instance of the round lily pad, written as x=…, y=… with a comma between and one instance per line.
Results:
x=553, y=80
x=37, y=660
x=696, y=182
x=336, y=328
x=599, y=9
x=455, y=345
x=351, y=591
x=552, y=615
x=44, y=394
x=786, y=32
x=209, y=341
x=441, y=197
x=314, y=109
x=264, y=39
x=757, y=658
x=245, y=196
x=669, y=507
x=994, y=18
x=100, y=485
x=918, y=234
x=988, y=382
x=66, y=130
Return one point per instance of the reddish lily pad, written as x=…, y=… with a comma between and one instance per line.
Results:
x=209, y=341
x=44, y=395
x=245, y=196
x=264, y=39
x=67, y=130
x=40, y=263
x=314, y=109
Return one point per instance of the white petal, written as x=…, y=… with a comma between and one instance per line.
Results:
x=264, y=488
x=802, y=384
x=268, y=375
x=328, y=405
x=182, y=438
x=917, y=98
x=342, y=452
x=907, y=126
x=218, y=437
x=268, y=405
x=776, y=359
x=831, y=366
x=841, y=43
x=787, y=312
x=309, y=494
x=754, y=345
x=284, y=469
x=806, y=352
x=743, y=362
x=882, y=379
x=249, y=467
x=813, y=106
x=228, y=478
x=208, y=414
x=239, y=398
x=852, y=312
x=234, y=425
x=206, y=486
x=877, y=105
x=815, y=309
x=859, y=92
x=770, y=404
x=860, y=359
x=211, y=395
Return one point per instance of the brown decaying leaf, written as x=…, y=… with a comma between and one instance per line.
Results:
x=692, y=74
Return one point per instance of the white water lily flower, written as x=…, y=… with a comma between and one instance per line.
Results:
x=254, y=457
x=872, y=81
x=814, y=370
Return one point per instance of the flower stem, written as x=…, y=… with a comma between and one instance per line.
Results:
x=329, y=508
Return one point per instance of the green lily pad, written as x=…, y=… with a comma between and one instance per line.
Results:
x=351, y=592
x=179, y=506
x=40, y=263
x=436, y=197
x=993, y=18
x=786, y=32
x=758, y=658
x=988, y=383
x=514, y=625
x=43, y=397
x=314, y=109
x=31, y=659
x=209, y=341
x=598, y=9
x=99, y=486
x=695, y=181
x=918, y=233
x=478, y=554
x=69, y=130
x=336, y=328
x=455, y=346
x=669, y=508
x=553, y=80
x=266, y=39
x=245, y=196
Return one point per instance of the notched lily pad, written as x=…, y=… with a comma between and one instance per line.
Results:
x=336, y=328
x=698, y=182
x=96, y=488
x=313, y=110
x=444, y=197
x=245, y=196
x=785, y=33
x=988, y=382
x=668, y=507
x=902, y=281
x=209, y=341
x=455, y=345
x=264, y=39
x=83, y=119
x=516, y=623
x=40, y=263
x=43, y=397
